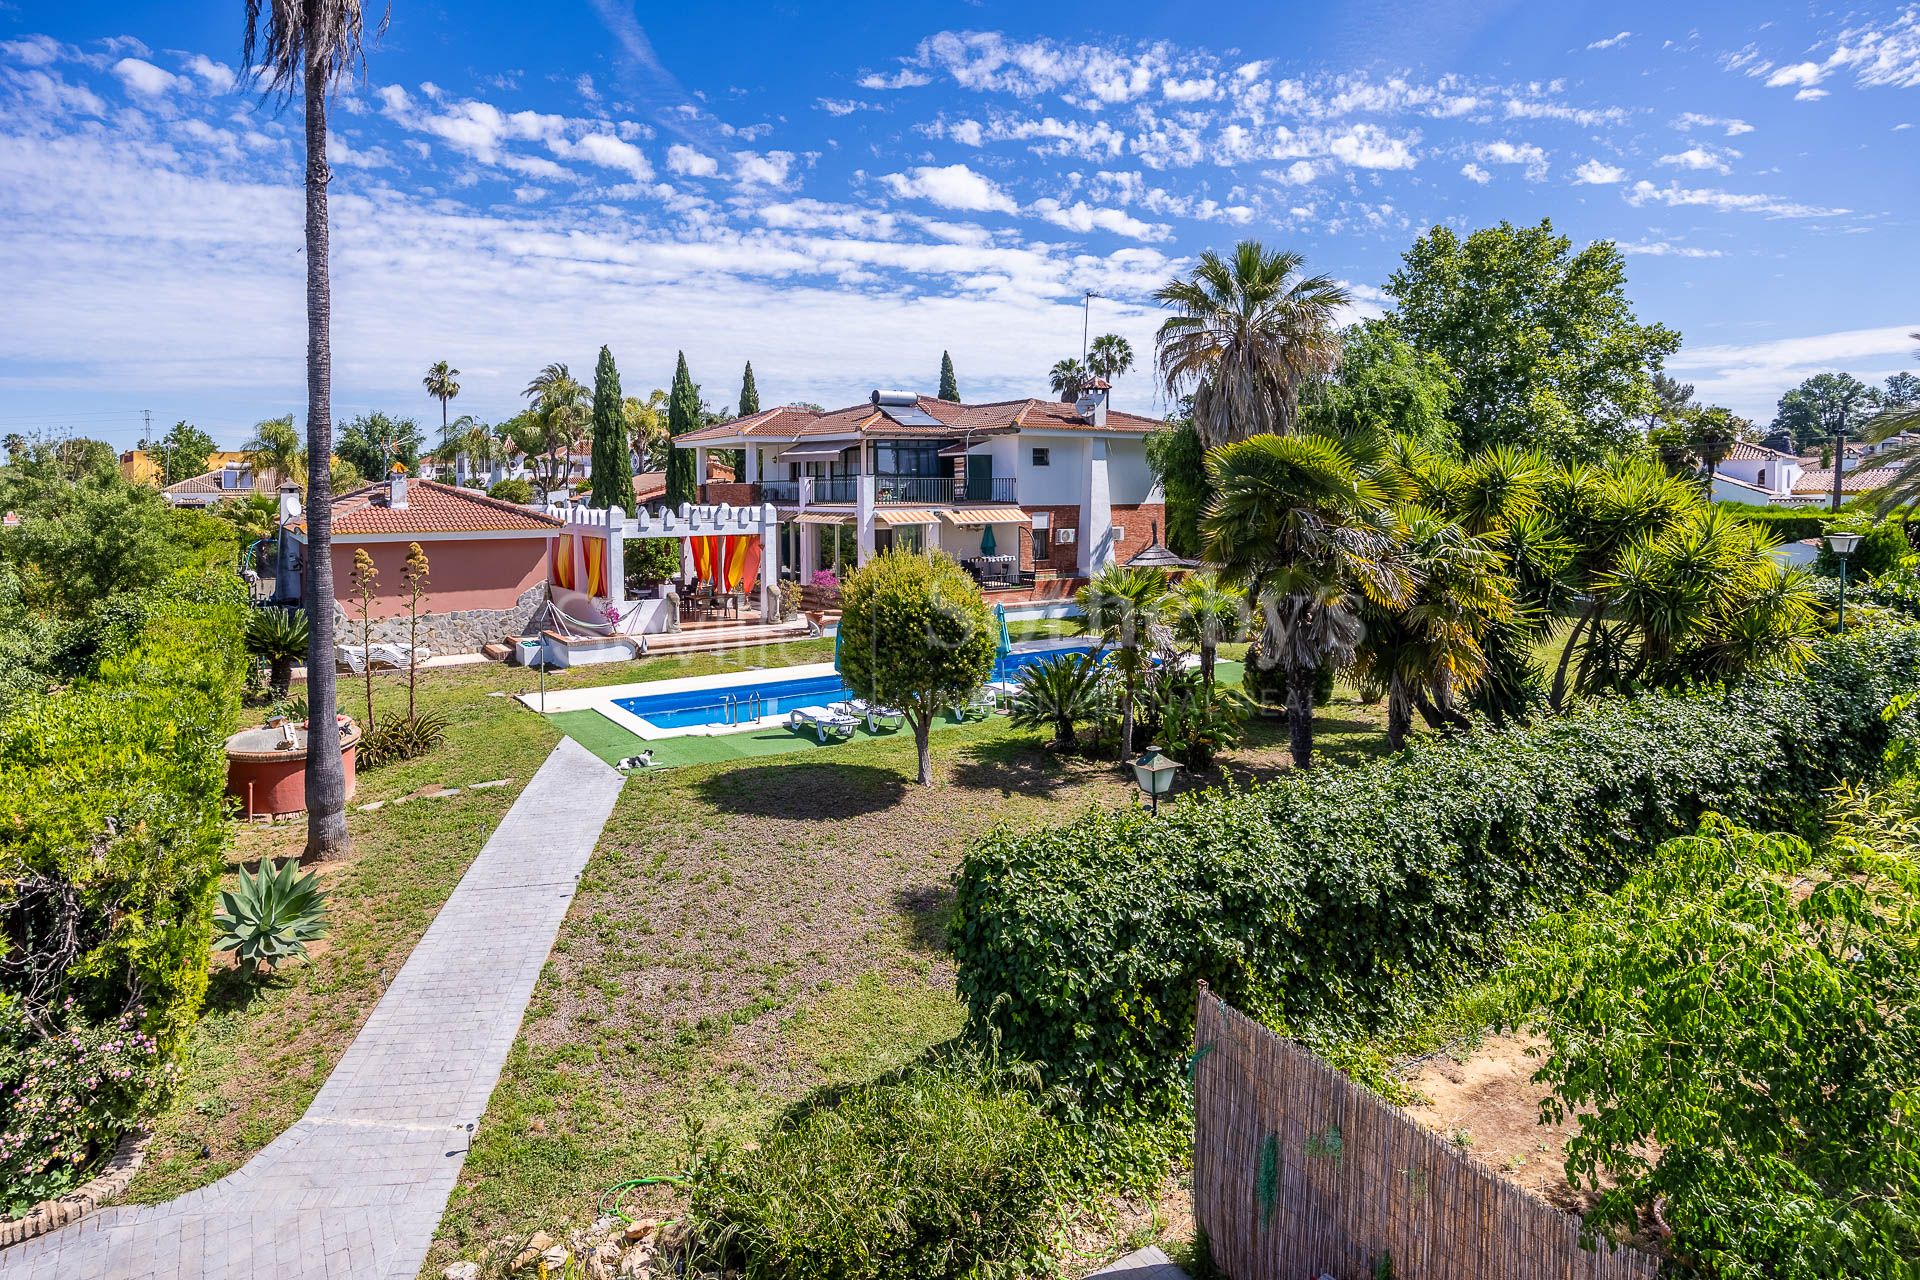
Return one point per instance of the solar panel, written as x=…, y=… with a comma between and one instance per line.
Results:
x=911, y=417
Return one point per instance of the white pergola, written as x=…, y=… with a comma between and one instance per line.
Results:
x=692, y=520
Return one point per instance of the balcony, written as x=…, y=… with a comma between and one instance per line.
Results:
x=901, y=490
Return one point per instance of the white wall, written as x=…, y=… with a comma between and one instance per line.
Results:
x=1129, y=478
x=1062, y=482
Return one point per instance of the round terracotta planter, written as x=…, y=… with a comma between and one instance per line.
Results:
x=270, y=779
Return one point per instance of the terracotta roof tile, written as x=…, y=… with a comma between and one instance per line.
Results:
x=1748, y=451
x=432, y=508
x=1859, y=480
x=792, y=422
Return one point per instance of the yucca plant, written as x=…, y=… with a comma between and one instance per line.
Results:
x=402, y=737
x=279, y=636
x=1055, y=694
x=270, y=915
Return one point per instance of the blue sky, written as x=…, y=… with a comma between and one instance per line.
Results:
x=838, y=192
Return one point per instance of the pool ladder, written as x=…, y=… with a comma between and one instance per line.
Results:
x=752, y=704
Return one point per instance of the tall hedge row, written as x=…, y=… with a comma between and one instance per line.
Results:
x=111, y=834
x=1334, y=900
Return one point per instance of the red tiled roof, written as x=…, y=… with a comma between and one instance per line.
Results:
x=262, y=481
x=791, y=422
x=1859, y=480
x=432, y=508
x=1748, y=451
x=651, y=486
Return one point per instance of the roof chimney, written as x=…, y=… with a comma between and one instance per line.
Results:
x=397, y=488
x=1091, y=403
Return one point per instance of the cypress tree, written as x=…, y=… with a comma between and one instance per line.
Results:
x=683, y=415
x=749, y=394
x=949, y=385
x=612, y=468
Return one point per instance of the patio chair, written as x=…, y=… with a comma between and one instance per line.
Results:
x=395, y=655
x=977, y=707
x=877, y=717
x=826, y=724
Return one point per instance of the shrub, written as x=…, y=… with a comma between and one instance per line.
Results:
x=270, y=915
x=1788, y=524
x=1198, y=721
x=1056, y=694
x=279, y=636
x=511, y=489
x=1337, y=901
x=939, y=1172
x=651, y=561
x=401, y=737
x=1883, y=545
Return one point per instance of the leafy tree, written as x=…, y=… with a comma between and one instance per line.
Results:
x=1109, y=356
x=1541, y=340
x=1247, y=334
x=1068, y=378
x=1127, y=608
x=1901, y=391
x=683, y=415
x=612, y=464
x=1304, y=525
x=949, y=384
x=1384, y=385
x=512, y=489
x=550, y=432
x=1179, y=463
x=81, y=458
x=14, y=444
x=442, y=383
x=1822, y=405
x=749, y=394
x=182, y=452
x=253, y=517
x=1057, y=694
x=647, y=428
x=373, y=442
x=312, y=47
x=1782, y=1141
x=915, y=633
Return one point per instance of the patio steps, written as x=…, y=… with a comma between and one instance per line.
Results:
x=705, y=639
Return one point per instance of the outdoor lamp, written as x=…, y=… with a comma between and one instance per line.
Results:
x=1842, y=545
x=1153, y=773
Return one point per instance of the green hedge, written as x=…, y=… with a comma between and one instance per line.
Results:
x=112, y=834
x=1789, y=524
x=1335, y=901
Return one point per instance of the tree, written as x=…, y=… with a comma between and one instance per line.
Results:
x=949, y=384
x=1057, y=693
x=1822, y=405
x=275, y=446
x=279, y=636
x=1304, y=524
x=373, y=442
x=1383, y=384
x=550, y=432
x=441, y=383
x=1902, y=391
x=612, y=464
x=182, y=452
x=1208, y=613
x=915, y=634
x=1541, y=340
x=1109, y=357
x=312, y=46
x=1247, y=333
x=683, y=415
x=1125, y=606
x=1179, y=463
x=749, y=394
x=647, y=428
x=1069, y=378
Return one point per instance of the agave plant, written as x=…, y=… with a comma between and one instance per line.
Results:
x=271, y=915
x=279, y=636
x=402, y=737
x=1057, y=693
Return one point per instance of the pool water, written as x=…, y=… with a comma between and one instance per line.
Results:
x=739, y=704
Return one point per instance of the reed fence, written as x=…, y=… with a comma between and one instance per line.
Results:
x=1298, y=1173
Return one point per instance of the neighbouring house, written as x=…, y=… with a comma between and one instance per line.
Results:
x=488, y=560
x=1017, y=489
x=650, y=487
x=234, y=478
x=144, y=467
x=1760, y=474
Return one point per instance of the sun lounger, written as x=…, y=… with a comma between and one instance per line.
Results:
x=978, y=707
x=824, y=722
x=876, y=716
x=395, y=655
x=1003, y=692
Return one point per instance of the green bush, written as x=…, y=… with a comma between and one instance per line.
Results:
x=938, y=1172
x=1789, y=524
x=1337, y=901
x=512, y=489
x=1883, y=545
x=112, y=836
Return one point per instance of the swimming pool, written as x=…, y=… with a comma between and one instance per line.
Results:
x=745, y=704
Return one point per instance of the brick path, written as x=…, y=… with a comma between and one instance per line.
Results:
x=357, y=1186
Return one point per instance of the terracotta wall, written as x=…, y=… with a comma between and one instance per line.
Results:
x=733, y=493
x=1139, y=521
x=473, y=573
x=1065, y=559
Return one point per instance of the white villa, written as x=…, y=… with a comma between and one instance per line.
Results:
x=1762, y=475
x=1018, y=489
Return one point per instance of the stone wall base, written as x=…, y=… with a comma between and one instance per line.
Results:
x=461, y=631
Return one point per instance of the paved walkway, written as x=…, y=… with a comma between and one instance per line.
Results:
x=357, y=1186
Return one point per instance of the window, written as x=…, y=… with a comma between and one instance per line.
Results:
x=909, y=458
x=1042, y=457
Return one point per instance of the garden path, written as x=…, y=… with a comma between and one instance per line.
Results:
x=357, y=1186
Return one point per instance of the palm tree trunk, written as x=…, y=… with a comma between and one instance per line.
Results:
x=1399, y=713
x=1208, y=651
x=1558, y=700
x=326, y=777
x=1300, y=715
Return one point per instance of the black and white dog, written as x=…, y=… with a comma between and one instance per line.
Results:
x=642, y=761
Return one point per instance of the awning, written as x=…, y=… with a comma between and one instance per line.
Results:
x=826, y=452
x=905, y=515
x=965, y=516
x=823, y=517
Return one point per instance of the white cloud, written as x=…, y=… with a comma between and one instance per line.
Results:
x=1701, y=158
x=1197, y=89
x=1080, y=216
x=1810, y=95
x=1676, y=196
x=953, y=186
x=1586, y=117
x=1797, y=73
x=1610, y=41
x=1595, y=173
x=1474, y=173
x=217, y=76
x=905, y=78
x=1883, y=54
x=1748, y=377
x=839, y=106
x=608, y=152
x=1368, y=146
x=583, y=85
x=1665, y=249
x=34, y=51
x=685, y=160
x=143, y=78
x=1695, y=120
x=1531, y=157
x=763, y=169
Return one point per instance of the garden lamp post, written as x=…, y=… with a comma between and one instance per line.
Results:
x=1153, y=774
x=1842, y=545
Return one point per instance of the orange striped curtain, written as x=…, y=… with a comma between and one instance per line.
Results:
x=743, y=561
x=560, y=571
x=596, y=567
x=703, y=558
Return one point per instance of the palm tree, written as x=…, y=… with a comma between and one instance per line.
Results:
x=279, y=636
x=1904, y=489
x=1124, y=606
x=276, y=446
x=1069, y=378
x=1304, y=524
x=1110, y=356
x=441, y=385
x=1248, y=332
x=561, y=410
x=1207, y=612
x=311, y=45
x=1055, y=694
